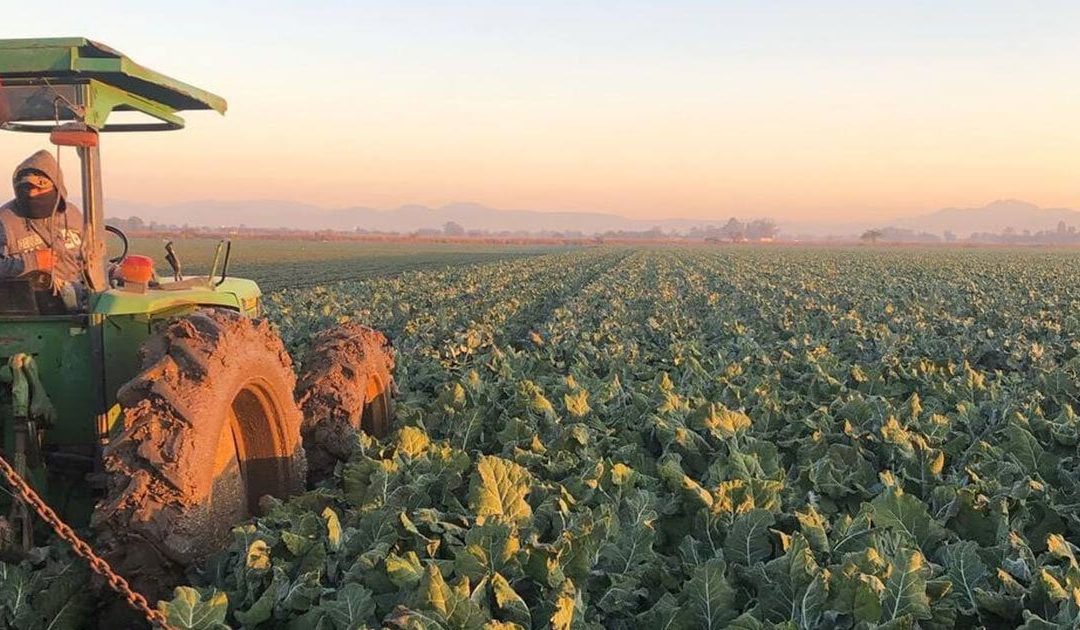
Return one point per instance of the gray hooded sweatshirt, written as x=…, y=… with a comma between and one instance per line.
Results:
x=20, y=237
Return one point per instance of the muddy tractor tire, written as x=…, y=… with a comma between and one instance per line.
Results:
x=210, y=427
x=346, y=385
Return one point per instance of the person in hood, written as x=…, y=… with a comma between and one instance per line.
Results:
x=40, y=230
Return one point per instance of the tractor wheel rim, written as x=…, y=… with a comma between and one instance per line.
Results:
x=253, y=423
x=376, y=415
x=228, y=492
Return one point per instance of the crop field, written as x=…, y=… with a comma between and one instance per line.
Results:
x=678, y=438
x=286, y=263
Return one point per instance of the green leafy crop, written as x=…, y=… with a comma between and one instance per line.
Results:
x=687, y=438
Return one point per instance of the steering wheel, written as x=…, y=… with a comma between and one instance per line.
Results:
x=123, y=239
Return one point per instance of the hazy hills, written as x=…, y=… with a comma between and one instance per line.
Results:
x=994, y=217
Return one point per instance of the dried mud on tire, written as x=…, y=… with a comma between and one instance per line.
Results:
x=174, y=490
x=340, y=372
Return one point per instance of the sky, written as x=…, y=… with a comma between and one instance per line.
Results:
x=802, y=110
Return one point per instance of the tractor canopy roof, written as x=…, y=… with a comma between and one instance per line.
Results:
x=75, y=79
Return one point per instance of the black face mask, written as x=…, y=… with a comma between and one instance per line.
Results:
x=39, y=207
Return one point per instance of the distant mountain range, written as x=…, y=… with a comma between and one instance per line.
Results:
x=993, y=217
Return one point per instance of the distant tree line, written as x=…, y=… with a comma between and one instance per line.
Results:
x=1063, y=234
x=898, y=235
x=734, y=231
x=737, y=231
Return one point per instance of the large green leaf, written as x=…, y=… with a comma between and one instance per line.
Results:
x=1023, y=448
x=967, y=570
x=748, y=541
x=489, y=548
x=1035, y=622
x=630, y=546
x=263, y=607
x=452, y=604
x=789, y=587
x=405, y=618
x=811, y=602
x=351, y=608
x=64, y=601
x=189, y=610
x=302, y=594
x=905, y=590
x=908, y=516
x=499, y=489
x=814, y=527
x=566, y=607
x=708, y=597
x=722, y=422
x=665, y=614
x=577, y=403
x=15, y=591
x=510, y=605
x=404, y=571
x=411, y=441
x=851, y=533
x=867, y=603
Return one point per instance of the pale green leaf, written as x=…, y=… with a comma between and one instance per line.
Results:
x=498, y=489
x=412, y=441
x=577, y=403
x=512, y=606
x=258, y=555
x=566, y=602
x=867, y=604
x=1061, y=548
x=333, y=528
x=1023, y=448
x=905, y=589
x=811, y=602
x=748, y=541
x=814, y=527
x=966, y=569
x=489, y=548
x=263, y=608
x=406, y=571
x=188, y=610
x=351, y=607
x=303, y=592
x=906, y=515
x=709, y=598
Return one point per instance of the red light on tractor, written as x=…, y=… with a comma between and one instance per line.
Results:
x=74, y=135
x=137, y=269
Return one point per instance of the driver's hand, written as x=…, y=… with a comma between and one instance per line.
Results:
x=40, y=260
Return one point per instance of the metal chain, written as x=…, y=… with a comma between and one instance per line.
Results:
x=81, y=548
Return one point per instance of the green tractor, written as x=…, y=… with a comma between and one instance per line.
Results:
x=156, y=411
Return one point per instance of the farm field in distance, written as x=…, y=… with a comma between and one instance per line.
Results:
x=731, y=437
x=280, y=263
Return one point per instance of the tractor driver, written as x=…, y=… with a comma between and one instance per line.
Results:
x=40, y=230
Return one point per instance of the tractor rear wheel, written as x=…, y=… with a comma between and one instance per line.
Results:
x=346, y=385
x=210, y=426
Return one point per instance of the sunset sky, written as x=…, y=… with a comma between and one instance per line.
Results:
x=793, y=110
